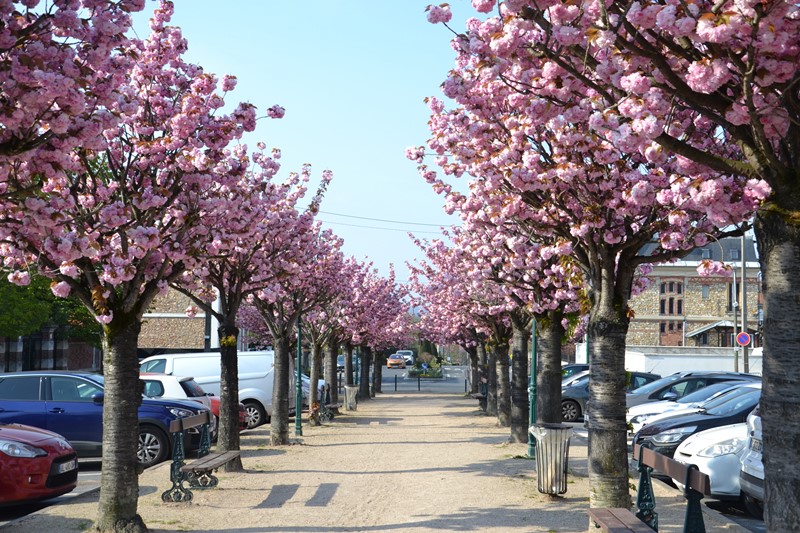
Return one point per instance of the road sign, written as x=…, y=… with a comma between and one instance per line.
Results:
x=743, y=338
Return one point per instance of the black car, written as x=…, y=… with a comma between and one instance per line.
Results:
x=665, y=435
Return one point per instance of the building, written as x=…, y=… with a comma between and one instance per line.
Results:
x=682, y=308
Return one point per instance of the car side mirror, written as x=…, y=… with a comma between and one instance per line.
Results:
x=670, y=397
x=98, y=398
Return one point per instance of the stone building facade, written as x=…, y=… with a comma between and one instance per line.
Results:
x=682, y=308
x=167, y=328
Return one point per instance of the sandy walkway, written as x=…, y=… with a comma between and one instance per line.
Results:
x=402, y=462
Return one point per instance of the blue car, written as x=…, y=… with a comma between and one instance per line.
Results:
x=71, y=404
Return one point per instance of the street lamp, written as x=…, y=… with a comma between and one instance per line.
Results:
x=532, y=394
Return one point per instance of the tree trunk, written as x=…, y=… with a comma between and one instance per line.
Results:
x=348, y=365
x=778, y=241
x=503, y=383
x=474, y=370
x=520, y=407
x=279, y=426
x=491, y=382
x=313, y=392
x=550, y=333
x=365, y=358
x=119, y=484
x=228, y=428
x=378, y=361
x=608, y=456
x=331, y=373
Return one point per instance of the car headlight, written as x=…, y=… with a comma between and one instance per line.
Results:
x=18, y=449
x=726, y=447
x=671, y=436
x=181, y=413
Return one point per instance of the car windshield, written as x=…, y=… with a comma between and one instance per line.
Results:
x=707, y=392
x=655, y=385
x=725, y=397
x=737, y=403
x=580, y=382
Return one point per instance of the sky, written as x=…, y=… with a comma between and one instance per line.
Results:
x=352, y=75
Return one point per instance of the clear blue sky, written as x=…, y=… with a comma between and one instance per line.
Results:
x=352, y=76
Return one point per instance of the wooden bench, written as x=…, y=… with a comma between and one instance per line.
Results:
x=696, y=485
x=198, y=473
x=482, y=394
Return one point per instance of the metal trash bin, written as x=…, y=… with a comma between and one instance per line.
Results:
x=552, y=454
x=350, y=398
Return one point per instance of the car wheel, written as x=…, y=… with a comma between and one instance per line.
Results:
x=255, y=414
x=570, y=410
x=753, y=506
x=153, y=446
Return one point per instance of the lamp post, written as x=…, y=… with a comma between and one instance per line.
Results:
x=745, y=355
x=298, y=404
x=735, y=306
x=532, y=394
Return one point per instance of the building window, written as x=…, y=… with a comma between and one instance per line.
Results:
x=706, y=253
x=680, y=288
x=680, y=306
x=672, y=326
x=669, y=300
x=702, y=339
x=663, y=327
x=672, y=306
x=663, y=288
x=680, y=326
x=706, y=291
x=663, y=306
x=734, y=255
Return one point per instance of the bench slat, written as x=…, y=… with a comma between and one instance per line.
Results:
x=618, y=520
x=190, y=422
x=666, y=465
x=210, y=461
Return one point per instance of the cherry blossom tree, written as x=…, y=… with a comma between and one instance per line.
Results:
x=534, y=129
x=304, y=280
x=125, y=218
x=713, y=82
x=256, y=234
x=60, y=69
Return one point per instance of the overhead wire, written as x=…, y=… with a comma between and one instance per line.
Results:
x=385, y=220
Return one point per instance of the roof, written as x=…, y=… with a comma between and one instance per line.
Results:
x=714, y=325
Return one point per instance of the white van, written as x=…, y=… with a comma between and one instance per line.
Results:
x=256, y=377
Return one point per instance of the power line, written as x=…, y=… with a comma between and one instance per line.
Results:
x=384, y=229
x=384, y=220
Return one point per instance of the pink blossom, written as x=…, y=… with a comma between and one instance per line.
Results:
x=20, y=277
x=714, y=268
x=440, y=13
x=483, y=6
x=105, y=318
x=60, y=289
x=276, y=111
x=191, y=311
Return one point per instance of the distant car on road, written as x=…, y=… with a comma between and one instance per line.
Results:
x=396, y=361
x=71, y=404
x=408, y=355
x=35, y=464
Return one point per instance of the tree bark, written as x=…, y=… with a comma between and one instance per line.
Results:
x=482, y=362
x=279, y=426
x=491, y=382
x=331, y=373
x=365, y=357
x=379, y=360
x=520, y=405
x=503, y=383
x=348, y=365
x=778, y=238
x=119, y=484
x=474, y=370
x=550, y=333
x=228, y=428
x=608, y=457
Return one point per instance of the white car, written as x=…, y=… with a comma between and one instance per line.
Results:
x=717, y=453
x=174, y=387
x=408, y=355
x=640, y=415
x=751, y=476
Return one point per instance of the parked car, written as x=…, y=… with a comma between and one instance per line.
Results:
x=184, y=388
x=571, y=369
x=569, y=380
x=574, y=396
x=665, y=435
x=751, y=476
x=71, y=404
x=255, y=377
x=395, y=361
x=716, y=452
x=680, y=384
x=645, y=413
x=408, y=355
x=35, y=464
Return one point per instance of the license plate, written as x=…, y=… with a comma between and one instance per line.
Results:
x=756, y=445
x=68, y=466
